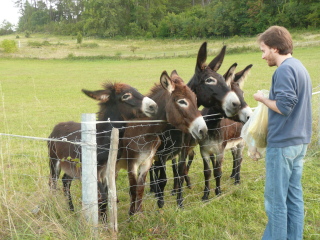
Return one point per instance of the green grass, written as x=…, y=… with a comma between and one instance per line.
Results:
x=35, y=94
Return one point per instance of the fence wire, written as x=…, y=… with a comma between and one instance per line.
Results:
x=24, y=164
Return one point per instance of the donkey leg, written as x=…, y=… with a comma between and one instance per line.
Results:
x=132, y=175
x=175, y=176
x=207, y=176
x=162, y=184
x=234, y=162
x=218, y=172
x=103, y=200
x=182, y=171
x=143, y=171
x=238, y=156
x=66, y=181
x=55, y=170
x=153, y=177
x=187, y=178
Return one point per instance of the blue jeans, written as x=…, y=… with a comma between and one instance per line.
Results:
x=283, y=193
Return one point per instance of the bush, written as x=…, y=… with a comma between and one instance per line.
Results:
x=9, y=46
x=79, y=38
x=90, y=45
x=27, y=35
x=34, y=44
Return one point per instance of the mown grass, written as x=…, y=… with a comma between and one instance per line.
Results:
x=36, y=94
x=45, y=46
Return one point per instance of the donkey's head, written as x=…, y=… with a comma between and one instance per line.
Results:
x=236, y=82
x=122, y=100
x=210, y=87
x=181, y=107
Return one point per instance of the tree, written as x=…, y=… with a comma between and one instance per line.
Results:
x=6, y=28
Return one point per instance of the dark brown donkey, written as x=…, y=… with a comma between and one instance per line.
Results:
x=211, y=90
x=224, y=134
x=177, y=105
x=117, y=102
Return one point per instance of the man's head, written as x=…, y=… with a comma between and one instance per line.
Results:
x=275, y=43
x=277, y=37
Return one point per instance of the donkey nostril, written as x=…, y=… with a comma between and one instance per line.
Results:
x=152, y=108
x=202, y=133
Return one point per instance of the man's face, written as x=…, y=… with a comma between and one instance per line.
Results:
x=268, y=54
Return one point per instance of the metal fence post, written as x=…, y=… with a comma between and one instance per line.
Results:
x=89, y=168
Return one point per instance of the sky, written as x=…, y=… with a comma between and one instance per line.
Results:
x=8, y=12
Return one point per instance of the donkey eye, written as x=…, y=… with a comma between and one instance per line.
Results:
x=126, y=96
x=211, y=81
x=182, y=102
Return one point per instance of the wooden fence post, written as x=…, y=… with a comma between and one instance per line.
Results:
x=89, y=168
x=111, y=181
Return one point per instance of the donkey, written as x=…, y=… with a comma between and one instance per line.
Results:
x=211, y=90
x=117, y=102
x=224, y=134
x=178, y=106
x=230, y=126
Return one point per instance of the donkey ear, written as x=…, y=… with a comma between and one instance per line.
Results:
x=229, y=75
x=241, y=76
x=174, y=74
x=166, y=82
x=216, y=63
x=202, y=57
x=100, y=95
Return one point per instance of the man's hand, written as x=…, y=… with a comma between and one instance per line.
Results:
x=272, y=104
x=258, y=96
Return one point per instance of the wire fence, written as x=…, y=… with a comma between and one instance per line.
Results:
x=24, y=170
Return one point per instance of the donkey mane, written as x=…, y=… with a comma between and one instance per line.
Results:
x=108, y=108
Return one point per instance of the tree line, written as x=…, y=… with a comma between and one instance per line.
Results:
x=165, y=18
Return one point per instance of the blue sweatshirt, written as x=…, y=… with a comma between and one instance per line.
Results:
x=291, y=88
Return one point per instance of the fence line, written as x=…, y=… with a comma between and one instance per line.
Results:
x=108, y=121
x=92, y=203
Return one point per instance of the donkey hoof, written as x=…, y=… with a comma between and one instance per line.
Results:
x=160, y=203
x=71, y=207
x=173, y=192
x=205, y=198
x=237, y=182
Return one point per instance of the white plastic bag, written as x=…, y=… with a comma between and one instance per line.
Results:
x=255, y=130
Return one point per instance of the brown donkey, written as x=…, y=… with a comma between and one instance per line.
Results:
x=117, y=102
x=177, y=105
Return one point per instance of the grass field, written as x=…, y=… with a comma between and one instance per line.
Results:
x=36, y=92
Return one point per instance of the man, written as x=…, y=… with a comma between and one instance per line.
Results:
x=289, y=132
